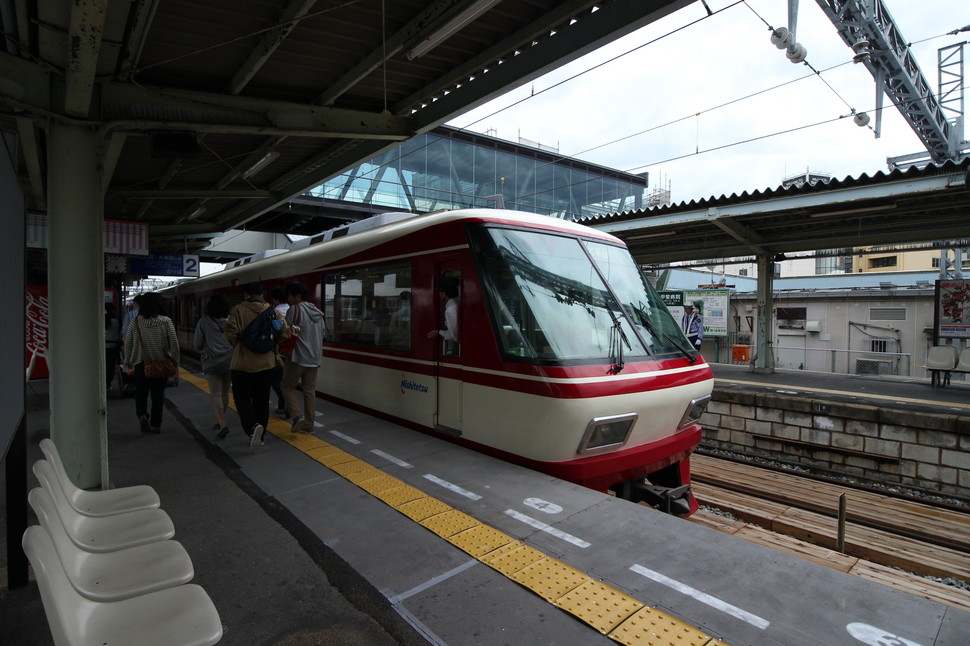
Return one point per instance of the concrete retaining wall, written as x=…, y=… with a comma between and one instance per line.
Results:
x=927, y=451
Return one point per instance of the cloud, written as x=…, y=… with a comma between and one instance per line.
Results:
x=673, y=106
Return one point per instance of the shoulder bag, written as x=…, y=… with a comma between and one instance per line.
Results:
x=289, y=344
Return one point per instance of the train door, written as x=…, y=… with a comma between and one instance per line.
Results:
x=448, y=371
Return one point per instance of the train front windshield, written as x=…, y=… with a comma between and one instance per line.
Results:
x=550, y=300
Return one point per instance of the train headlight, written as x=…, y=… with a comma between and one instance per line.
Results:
x=695, y=409
x=606, y=433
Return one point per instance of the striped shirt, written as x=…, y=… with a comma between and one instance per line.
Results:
x=158, y=336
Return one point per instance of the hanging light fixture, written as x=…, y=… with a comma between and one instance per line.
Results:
x=450, y=27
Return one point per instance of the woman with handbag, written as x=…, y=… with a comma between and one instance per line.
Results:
x=152, y=353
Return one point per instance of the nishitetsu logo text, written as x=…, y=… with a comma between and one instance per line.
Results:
x=407, y=384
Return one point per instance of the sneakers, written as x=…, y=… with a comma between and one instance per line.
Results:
x=257, y=437
x=224, y=431
x=297, y=426
x=143, y=421
x=281, y=411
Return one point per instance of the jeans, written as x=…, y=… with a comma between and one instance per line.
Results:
x=251, y=392
x=145, y=387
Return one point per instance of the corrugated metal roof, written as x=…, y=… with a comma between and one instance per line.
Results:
x=914, y=205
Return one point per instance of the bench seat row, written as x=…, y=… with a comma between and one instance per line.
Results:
x=941, y=360
x=107, y=566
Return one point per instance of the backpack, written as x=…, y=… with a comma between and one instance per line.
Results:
x=262, y=335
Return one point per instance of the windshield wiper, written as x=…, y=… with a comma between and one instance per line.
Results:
x=647, y=323
x=617, y=337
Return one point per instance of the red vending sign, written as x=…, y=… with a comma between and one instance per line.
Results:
x=36, y=332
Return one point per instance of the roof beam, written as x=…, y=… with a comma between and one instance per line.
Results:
x=83, y=48
x=590, y=30
x=124, y=108
x=404, y=37
x=269, y=43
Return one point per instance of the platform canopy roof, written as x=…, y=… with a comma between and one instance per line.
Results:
x=918, y=205
x=213, y=113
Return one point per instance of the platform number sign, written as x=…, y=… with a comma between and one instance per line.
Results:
x=190, y=266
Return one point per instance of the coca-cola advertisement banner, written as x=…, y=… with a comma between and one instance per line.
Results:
x=36, y=319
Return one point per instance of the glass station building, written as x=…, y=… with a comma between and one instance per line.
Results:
x=449, y=168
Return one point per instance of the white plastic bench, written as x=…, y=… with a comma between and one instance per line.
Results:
x=107, y=533
x=116, y=575
x=179, y=616
x=940, y=361
x=98, y=503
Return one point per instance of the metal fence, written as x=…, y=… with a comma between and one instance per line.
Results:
x=851, y=362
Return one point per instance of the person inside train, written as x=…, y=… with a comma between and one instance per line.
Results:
x=400, y=326
x=448, y=295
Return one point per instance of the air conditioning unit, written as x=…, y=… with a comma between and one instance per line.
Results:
x=875, y=367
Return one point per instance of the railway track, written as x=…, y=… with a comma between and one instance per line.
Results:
x=892, y=541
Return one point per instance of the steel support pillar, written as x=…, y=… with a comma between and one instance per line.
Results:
x=764, y=360
x=75, y=263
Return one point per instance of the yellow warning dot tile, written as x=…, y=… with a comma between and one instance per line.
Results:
x=397, y=496
x=601, y=606
x=422, y=508
x=332, y=459
x=379, y=484
x=300, y=441
x=363, y=475
x=479, y=541
x=449, y=523
x=513, y=557
x=550, y=579
x=325, y=448
x=650, y=627
x=350, y=467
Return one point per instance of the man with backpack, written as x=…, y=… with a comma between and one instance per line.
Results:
x=254, y=328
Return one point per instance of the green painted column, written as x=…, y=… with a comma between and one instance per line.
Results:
x=75, y=263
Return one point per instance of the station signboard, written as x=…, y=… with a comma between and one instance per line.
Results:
x=713, y=307
x=165, y=265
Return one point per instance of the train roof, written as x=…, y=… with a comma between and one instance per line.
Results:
x=347, y=240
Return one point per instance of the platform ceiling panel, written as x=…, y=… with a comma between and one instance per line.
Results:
x=211, y=114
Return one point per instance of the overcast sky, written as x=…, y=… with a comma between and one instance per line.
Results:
x=682, y=78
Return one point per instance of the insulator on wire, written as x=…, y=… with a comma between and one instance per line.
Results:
x=862, y=50
x=796, y=53
x=781, y=38
x=861, y=119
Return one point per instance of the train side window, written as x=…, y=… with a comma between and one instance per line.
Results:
x=370, y=306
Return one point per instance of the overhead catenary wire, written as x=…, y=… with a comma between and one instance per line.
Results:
x=815, y=72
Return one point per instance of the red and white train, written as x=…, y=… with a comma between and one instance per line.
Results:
x=567, y=361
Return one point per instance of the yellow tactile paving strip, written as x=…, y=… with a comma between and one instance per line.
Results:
x=613, y=613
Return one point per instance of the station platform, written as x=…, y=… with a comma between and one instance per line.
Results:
x=912, y=393
x=293, y=551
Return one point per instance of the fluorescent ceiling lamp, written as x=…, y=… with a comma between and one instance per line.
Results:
x=452, y=26
x=866, y=209
x=260, y=164
x=644, y=236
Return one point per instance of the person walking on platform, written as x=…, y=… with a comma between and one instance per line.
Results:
x=692, y=323
x=307, y=322
x=216, y=352
x=277, y=297
x=150, y=335
x=252, y=370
